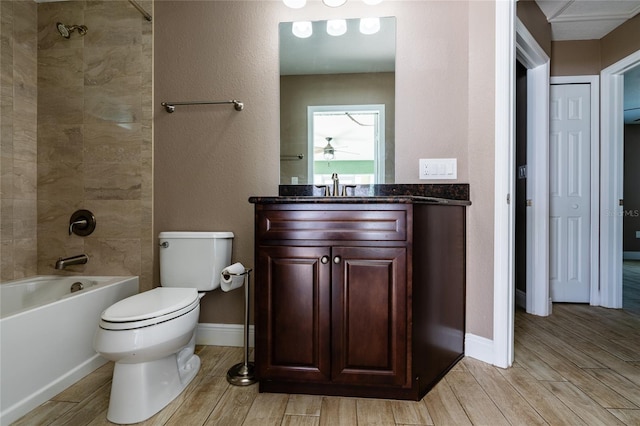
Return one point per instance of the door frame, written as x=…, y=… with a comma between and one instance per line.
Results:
x=611, y=180
x=504, y=184
x=537, y=62
x=594, y=210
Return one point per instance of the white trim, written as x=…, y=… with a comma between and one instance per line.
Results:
x=503, y=262
x=611, y=180
x=479, y=348
x=223, y=335
x=594, y=82
x=534, y=58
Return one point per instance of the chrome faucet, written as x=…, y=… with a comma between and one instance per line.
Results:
x=80, y=259
x=336, y=184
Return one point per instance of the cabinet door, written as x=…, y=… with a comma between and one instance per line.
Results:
x=369, y=317
x=293, y=313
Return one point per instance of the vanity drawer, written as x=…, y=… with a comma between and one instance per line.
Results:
x=332, y=224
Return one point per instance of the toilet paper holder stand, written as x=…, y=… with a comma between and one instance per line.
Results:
x=243, y=374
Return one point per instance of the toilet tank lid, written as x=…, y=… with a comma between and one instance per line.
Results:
x=192, y=234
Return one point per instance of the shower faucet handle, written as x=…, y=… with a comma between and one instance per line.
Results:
x=82, y=223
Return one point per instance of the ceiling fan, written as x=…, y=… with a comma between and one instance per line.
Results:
x=329, y=151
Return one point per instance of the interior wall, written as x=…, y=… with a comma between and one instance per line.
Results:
x=18, y=145
x=589, y=57
x=536, y=22
x=95, y=137
x=575, y=57
x=210, y=159
x=297, y=92
x=621, y=42
x=631, y=220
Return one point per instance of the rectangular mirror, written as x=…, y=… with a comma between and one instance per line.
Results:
x=337, y=101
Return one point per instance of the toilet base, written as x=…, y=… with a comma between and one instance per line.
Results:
x=138, y=391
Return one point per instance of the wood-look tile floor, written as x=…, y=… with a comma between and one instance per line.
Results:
x=579, y=366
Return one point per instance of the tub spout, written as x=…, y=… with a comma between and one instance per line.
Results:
x=80, y=259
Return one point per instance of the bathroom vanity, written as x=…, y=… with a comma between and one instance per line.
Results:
x=358, y=296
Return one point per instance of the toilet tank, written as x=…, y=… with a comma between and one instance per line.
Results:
x=193, y=259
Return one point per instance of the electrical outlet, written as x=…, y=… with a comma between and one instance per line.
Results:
x=438, y=168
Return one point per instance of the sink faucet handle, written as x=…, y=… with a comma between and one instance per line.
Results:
x=326, y=190
x=345, y=187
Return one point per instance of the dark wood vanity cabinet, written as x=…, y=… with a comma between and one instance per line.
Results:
x=335, y=298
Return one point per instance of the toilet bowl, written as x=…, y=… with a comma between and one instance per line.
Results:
x=151, y=336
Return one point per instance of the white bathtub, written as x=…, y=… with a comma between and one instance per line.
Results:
x=46, y=335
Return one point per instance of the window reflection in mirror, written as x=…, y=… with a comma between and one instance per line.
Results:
x=353, y=72
x=348, y=140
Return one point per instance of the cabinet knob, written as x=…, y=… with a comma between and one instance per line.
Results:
x=324, y=259
x=337, y=259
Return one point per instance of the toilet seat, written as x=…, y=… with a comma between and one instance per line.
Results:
x=150, y=307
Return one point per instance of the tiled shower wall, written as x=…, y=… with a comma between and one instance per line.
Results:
x=94, y=137
x=18, y=145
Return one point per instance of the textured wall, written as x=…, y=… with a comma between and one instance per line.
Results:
x=209, y=160
x=95, y=138
x=18, y=146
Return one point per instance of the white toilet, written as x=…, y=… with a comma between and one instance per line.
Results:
x=151, y=336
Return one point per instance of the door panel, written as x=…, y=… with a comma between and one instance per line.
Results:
x=570, y=193
x=369, y=315
x=294, y=324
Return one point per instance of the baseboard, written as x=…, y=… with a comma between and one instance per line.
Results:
x=521, y=299
x=631, y=255
x=479, y=348
x=222, y=335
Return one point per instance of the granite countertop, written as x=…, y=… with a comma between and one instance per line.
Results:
x=441, y=194
x=383, y=199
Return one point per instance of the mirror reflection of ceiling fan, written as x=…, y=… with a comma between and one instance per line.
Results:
x=329, y=151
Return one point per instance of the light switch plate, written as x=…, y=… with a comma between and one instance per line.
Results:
x=438, y=168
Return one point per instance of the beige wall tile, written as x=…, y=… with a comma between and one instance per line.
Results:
x=112, y=256
x=60, y=143
x=116, y=218
x=112, y=181
x=112, y=143
x=61, y=180
x=61, y=67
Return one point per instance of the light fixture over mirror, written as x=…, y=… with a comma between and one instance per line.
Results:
x=334, y=3
x=297, y=4
x=352, y=74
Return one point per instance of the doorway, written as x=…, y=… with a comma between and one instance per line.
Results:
x=611, y=178
x=520, y=246
x=570, y=193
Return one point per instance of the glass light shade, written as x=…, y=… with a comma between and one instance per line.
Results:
x=294, y=4
x=302, y=29
x=369, y=25
x=371, y=2
x=336, y=27
x=334, y=3
x=329, y=155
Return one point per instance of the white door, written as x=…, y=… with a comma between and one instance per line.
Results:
x=569, y=192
